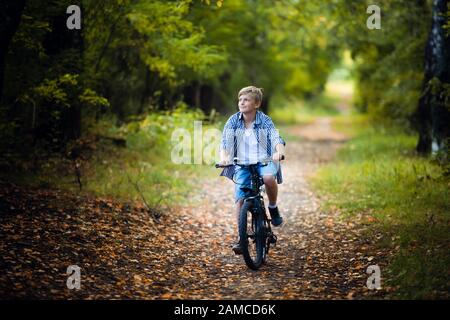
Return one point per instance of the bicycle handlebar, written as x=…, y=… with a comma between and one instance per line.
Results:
x=218, y=165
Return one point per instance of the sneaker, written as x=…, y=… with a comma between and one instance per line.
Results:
x=277, y=220
x=237, y=248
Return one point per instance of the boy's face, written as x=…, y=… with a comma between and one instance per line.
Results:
x=247, y=103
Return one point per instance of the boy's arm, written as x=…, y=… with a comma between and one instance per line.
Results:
x=224, y=156
x=280, y=152
x=227, y=143
x=277, y=141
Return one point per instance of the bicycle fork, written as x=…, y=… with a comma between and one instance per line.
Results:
x=269, y=235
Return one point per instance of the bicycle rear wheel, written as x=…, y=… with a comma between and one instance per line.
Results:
x=251, y=233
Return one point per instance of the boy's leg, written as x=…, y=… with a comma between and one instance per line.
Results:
x=241, y=177
x=271, y=189
x=269, y=173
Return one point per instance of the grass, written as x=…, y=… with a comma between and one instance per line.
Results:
x=335, y=99
x=378, y=174
x=295, y=111
x=143, y=170
x=333, y=102
x=133, y=175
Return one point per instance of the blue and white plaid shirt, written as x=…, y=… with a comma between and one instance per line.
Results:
x=266, y=135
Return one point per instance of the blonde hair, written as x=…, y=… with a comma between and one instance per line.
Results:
x=255, y=92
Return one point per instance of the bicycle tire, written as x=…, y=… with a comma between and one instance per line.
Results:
x=266, y=241
x=259, y=236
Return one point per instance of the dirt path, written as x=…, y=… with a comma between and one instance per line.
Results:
x=317, y=256
x=123, y=253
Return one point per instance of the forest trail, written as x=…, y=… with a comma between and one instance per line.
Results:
x=317, y=256
x=124, y=254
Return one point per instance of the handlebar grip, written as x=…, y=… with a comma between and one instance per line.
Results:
x=218, y=165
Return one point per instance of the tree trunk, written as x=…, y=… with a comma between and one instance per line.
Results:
x=145, y=92
x=432, y=116
x=192, y=94
x=10, y=14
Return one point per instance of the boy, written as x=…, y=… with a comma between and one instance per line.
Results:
x=250, y=135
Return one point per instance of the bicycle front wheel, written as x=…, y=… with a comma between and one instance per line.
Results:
x=251, y=233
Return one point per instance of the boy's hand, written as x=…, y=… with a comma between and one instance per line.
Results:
x=224, y=158
x=224, y=162
x=277, y=156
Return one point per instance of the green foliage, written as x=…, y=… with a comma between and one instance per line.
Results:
x=139, y=56
x=56, y=91
x=437, y=87
x=90, y=98
x=378, y=176
x=148, y=50
x=280, y=46
x=51, y=98
x=389, y=63
x=146, y=160
x=141, y=171
x=134, y=58
x=171, y=45
x=295, y=111
x=335, y=99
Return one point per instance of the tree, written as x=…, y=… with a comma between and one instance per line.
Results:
x=282, y=46
x=432, y=113
x=10, y=14
x=141, y=53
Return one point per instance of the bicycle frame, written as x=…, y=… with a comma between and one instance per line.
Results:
x=254, y=192
x=258, y=207
x=256, y=182
x=253, y=203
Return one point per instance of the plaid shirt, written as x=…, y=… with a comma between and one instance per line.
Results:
x=266, y=135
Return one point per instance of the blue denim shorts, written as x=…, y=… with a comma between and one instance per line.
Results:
x=242, y=177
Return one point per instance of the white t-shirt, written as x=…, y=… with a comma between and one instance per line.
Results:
x=248, y=149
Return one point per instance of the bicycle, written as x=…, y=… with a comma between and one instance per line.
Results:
x=255, y=233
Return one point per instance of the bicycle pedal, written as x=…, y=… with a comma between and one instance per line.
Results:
x=237, y=250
